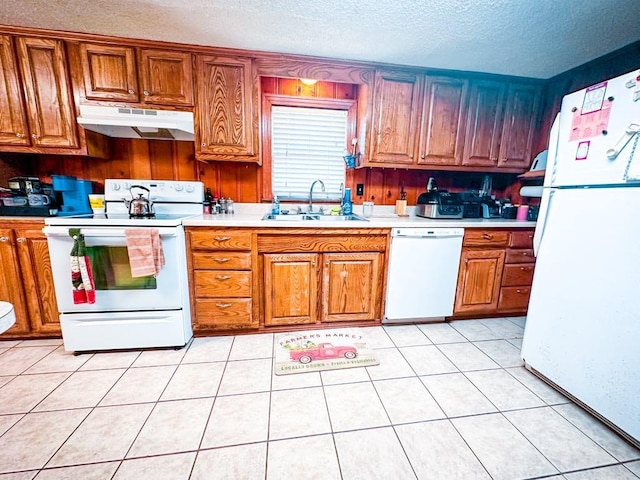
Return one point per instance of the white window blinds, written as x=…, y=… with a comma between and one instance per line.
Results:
x=307, y=144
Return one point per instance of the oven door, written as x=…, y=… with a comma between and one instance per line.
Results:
x=116, y=290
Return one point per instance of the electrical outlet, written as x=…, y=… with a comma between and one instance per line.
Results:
x=360, y=189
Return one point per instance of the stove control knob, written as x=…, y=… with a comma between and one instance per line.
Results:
x=189, y=188
x=178, y=187
x=115, y=186
x=127, y=185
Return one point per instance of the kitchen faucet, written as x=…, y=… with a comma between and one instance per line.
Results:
x=313, y=184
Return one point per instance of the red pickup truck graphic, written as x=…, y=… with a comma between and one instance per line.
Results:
x=322, y=352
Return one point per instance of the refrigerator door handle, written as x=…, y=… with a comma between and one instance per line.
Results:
x=543, y=214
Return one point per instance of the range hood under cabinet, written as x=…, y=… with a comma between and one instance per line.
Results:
x=137, y=122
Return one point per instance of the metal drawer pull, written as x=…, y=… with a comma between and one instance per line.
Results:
x=4, y=239
x=487, y=236
x=221, y=260
x=223, y=277
x=525, y=254
x=20, y=239
x=221, y=239
x=525, y=268
x=522, y=291
x=223, y=305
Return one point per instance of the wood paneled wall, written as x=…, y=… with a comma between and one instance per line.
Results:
x=616, y=63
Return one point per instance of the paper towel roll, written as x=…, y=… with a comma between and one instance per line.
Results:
x=531, y=191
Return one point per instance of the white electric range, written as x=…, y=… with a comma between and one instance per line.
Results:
x=143, y=312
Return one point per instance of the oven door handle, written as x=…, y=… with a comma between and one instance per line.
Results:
x=55, y=231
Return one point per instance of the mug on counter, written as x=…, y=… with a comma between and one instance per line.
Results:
x=523, y=210
x=96, y=201
x=38, y=199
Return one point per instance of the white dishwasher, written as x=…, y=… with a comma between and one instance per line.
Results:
x=422, y=274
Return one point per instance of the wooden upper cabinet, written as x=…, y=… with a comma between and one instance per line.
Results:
x=109, y=72
x=166, y=77
x=118, y=73
x=47, y=89
x=225, y=112
x=395, y=120
x=484, y=123
x=442, y=125
x=520, y=117
x=13, y=120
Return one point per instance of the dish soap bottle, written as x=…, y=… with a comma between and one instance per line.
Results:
x=347, y=205
x=275, y=205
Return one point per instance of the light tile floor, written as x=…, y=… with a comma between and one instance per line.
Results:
x=448, y=401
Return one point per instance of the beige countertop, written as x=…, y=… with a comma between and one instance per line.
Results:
x=250, y=215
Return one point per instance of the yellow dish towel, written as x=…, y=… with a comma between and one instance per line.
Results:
x=145, y=251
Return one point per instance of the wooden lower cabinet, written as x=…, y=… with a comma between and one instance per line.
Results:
x=222, y=281
x=350, y=283
x=26, y=280
x=518, y=274
x=279, y=279
x=479, y=280
x=496, y=272
x=291, y=288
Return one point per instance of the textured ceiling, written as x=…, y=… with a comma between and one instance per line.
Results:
x=531, y=38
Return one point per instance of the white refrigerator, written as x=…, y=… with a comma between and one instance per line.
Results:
x=583, y=325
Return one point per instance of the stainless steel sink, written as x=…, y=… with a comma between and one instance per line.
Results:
x=314, y=217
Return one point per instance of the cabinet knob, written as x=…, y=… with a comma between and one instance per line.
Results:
x=146, y=93
x=410, y=156
x=223, y=277
x=130, y=91
x=466, y=260
x=20, y=239
x=518, y=291
x=4, y=239
x=203, y=144
x=422, y=156
x=33, y=135
x=223, y=305
x=525, y=254
x=19, y=135
x=221, y=239
x=494, y=159
x=221, y=260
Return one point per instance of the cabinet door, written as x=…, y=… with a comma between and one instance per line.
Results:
x=166, y=77
x=442, y=126
x=484, y=124
x=13, y=120
x=225, y=109
x=479, y=281
x=291, y=288
x=47, y=89
x=520, y=118
x=395, y=118
x=11, y=282
x=351, y=287
x=37, y=278
x=109, y=72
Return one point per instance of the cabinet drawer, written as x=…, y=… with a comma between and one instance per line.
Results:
x=220, y=240
x=485, y=238
x=522, y=239
x=225, y=313
x=514, y=298
x=520, y=255
x=515, y=275
x=222, y=260
x=225, y=283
